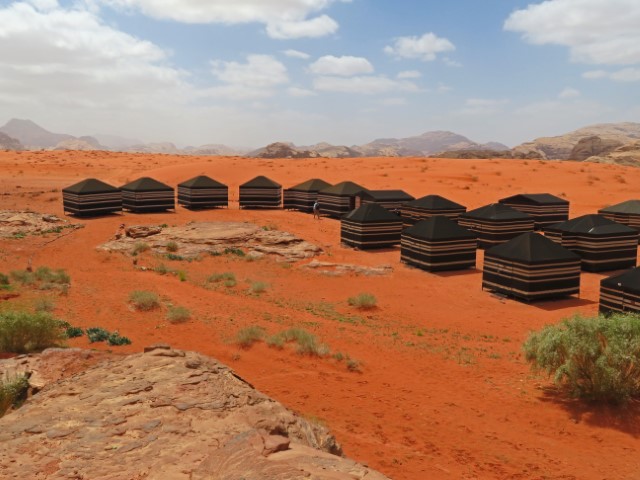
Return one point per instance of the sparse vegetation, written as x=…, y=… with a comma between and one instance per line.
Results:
x=13, y=391
x=139, y=248
x=172, y=246
x=306, y=343
x=116, y=340
x=144, y=300
x=97, y=334
x=234, y=251
x=228, y=279
x=246, y=337
x=592, y=358
x=44, y=304
x=363, y=301
x=258, y=287
x=178, y=314
x=23, y=332
x=175, y=257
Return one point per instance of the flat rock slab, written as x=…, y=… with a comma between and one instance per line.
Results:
x=199, y=238
x=338, y=269
x=15, y=223
x=159, y=416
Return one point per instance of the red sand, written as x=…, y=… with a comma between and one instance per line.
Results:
x=443, y=391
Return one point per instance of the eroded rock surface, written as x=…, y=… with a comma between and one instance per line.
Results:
x=338, y=269
x=199, y=238
x=165, y=414
x=15, y=223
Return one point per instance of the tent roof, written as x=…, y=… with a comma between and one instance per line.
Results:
x=146, y=184
x=595, y=224
x=312, y=185
x=435, y=202
x=531, y=248
x=536, y=198
x=344, y=188
x=496, y=211
x=202, y=181
x=629, y=280
x=371, y=212
x=261, y=182
x=438, y=227
x=90, y=185
x=387, y=195
x=630, y=206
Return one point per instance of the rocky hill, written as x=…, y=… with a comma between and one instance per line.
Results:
x=32, y=135
x=562, y=146
x=82, y=144
x=628, y=154
x=9, y=143
x=484, y=154
x=162, y=414
x=430, y=143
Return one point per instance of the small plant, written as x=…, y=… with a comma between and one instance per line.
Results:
x=13, y=391
x=258, y=287
x=44, y=304
x=47, y=275
x=306, y=343
x=139, y=248
x=162, y=269
x=182, y=275
x=269, y=227
x=23, y=332
x=178, y=314
x=23, y=277
x=352, y=364
x=144, y=300
x=234, y=251
x=172, y=247
x=97, y=334
x=246, y=337
x=4, y=280
x=363, y=301
x=228, y=279
x=115, y=339
x=595, y=358
x=173, y=256
x=74, y=332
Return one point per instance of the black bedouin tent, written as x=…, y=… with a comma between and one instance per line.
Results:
x=546, y=209
x=203, y=192
x=496, y=223
x=621, y=292
x=340, y=199
x=428, y=206
x=304, y=195
x=438, y=244
x=531, y=267
x=260, y=192
x=627, y=213
x=370, y=226
x=147, y=195
x=601, y=243
x=389, y=199
x=91, y=197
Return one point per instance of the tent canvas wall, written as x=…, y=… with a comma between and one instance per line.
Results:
x=496, y=223
x=429, y=206
x=339, y=199
x=546, y=209
x=601, y=243
x=260, y=192
x=627, y=213
x=302, y=196
x=91, y=197
x=621, y=292
x=531, y=267
x=202, y=192
x=370, y=226
x=438, y=244
x=389, y=199
x=147, y=195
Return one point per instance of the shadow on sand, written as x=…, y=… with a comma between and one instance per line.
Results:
x=553, y=305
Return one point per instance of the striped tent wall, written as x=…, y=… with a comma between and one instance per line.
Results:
x=303, y=196
x=389, y=199
x=438, y=255
x=371, y=226
x=621, y=293
x=91, y=197
x=148, y=201
x=545, y=209
x=260, y=197
x=196, y=198
x=492, y=232
x=626, y=213
x=430, y=206
x=335, y=205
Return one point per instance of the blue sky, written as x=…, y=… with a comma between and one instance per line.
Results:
x=250, y=72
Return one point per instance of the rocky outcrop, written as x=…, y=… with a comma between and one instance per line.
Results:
x=32, y=135
x=625, y=155
x=165, y=414
x=213, y=149
x=215, y=238
x=9, y=143
x=339, y=269
x=16, y=224
x=283, y=150
x=485, y=154
x=160, y=147
x=593, y=146
x=76, y=144
x=430, y=143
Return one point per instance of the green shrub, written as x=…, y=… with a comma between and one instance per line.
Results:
x=182, y=275
x=44, y=304
x=258, y=287
x=178, y=314
x=246, y=337
x=144, y=300
x=306, y=343
x=172, y=246
x=363, y=301
x=175, y=257
x=13, y=391
x=47, y=275
x=595, y=358
x=227, y=278
x=97, y=334
x=74, y=332
x=234, y=251
x=140, y=247
x=115, y=339
x=23, y=277
x=22, y=332
x=4, y=280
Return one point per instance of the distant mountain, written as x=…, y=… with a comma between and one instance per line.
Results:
x=116, y=142
x=9, y=143
x=32, y=135
x=562, y=146
x=214, y=149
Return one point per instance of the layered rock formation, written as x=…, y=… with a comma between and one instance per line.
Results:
x=19, y=223
x=9, y=143
x=163, y=414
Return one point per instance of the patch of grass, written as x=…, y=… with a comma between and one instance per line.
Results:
x=13, y=392
x=228, y=279
x=591, y=358
x=172, y=247
x=144, y=300
x=4, y=280
x=175, y=257
x=57, y=276
x=139, y=247
x=24, y=277
x=182, y=275
x=306, y=342
x=178, y=315
x=162, y=269
x=269, y=227
x=363, y=301
x=246, y=337
x=74, y=332
x=258, y=287
x=97, y=334
x=115, y=339
x=44, y=304
x=234, y=251
x=23, y=332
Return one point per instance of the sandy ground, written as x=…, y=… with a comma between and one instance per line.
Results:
x=443, y=391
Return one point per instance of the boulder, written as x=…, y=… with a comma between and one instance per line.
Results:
x=593, y=146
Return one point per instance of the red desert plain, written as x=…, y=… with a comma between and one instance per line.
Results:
x=438, y=387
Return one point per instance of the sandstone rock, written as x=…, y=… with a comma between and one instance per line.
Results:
x=155, y=417
x=142, y=231
x=26, y=222
x=337, y=269
x=284, y=150
x=9, y=143
x=75, y=144
x=593, y=146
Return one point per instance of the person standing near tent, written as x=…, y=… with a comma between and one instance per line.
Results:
x=316, y=210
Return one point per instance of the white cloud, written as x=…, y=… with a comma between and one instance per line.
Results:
x=569, y=93
x=424, y=48
x=409, y=74
x=259, y=71
x=451, y=63
x=365, y=85
x=301, y=92
x=393, y=102
x=596, y=31
x=345, y=66
x=284, y=19
x=483, y=106
x=296, y=54
x=624, y=75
